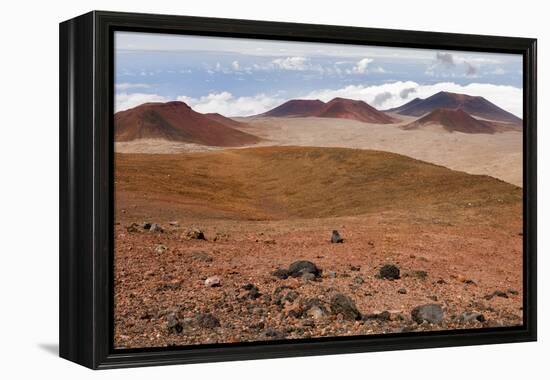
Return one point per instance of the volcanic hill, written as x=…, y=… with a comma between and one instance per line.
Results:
x=339, y=108
x=457, y=120
x=474, y=105
x=176, y=121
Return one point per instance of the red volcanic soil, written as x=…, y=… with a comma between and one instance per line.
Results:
x=473, y=105
x=457, y=120
x=296, y=108
x=355, y=110
x=176, y=121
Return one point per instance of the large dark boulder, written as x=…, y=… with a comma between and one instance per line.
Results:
x=342, y=304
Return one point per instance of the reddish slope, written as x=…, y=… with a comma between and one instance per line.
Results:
x=457, y=120
x=355, y=110
x=473, y=105
x=295, y=108
x=225, y=120
x=176, y=121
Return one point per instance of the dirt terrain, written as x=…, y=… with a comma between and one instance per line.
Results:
x=200, y=237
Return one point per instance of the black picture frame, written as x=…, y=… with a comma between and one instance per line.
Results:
x=86, y=188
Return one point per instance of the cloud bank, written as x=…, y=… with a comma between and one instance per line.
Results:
x=383, y=96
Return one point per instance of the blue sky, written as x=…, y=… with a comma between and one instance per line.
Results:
x=240, y=77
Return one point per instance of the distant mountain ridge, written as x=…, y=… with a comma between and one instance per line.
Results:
x=176, y=121
x=473, y=105
x=340, y=108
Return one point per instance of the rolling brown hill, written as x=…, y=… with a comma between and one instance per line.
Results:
x=296, y=108
x=457, y=120
x=176, y=121
x=355, y=110
x=225, y=120
x=474, y=105
x=269, y=183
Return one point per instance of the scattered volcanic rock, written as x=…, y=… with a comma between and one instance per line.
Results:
x=474, y=105
x=213, y=281
x=432, y=313
x=456, y=120
x=194, y=234
x=314, y=308
x=155, y=228
x=299, y=268
x=336, y=238
x=496, y=293
x=253, y=291
x=207, y=320
x=342, y=304
x=383, y=316
x=471, y=316
x=296, y=108
x=176, y=121
x=173, y=325
x=355, y=110
x=389, y=272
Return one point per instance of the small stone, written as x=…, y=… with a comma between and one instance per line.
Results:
x=390, y=272
x=207, y=320
x=358, y=280
x=513, y=292
x=421, y=274
x=132, y=228
x=159, y=248
x=213, y=281
x=336, y=238
x=308, y=277
x=331, y=274
x=383, y=316
x=155, y=228
x=194, y=234
x=342, y=304
x=402, y=291
x=471, y=316
x=298, y=268
x=173, y=324
x=354, y=268
x=496, y=293
x=253, y=291
x=432, y=313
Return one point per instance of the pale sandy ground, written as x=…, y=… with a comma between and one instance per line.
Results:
x=498, y=155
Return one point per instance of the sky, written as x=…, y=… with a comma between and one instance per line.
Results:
x=242, y=77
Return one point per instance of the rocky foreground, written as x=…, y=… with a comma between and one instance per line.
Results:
x=179, y=284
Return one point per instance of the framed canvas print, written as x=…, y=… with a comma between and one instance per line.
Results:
x=237, y=189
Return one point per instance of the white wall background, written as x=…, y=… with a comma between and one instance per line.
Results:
x=29, y=187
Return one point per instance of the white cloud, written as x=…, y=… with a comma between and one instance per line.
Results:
x=129, y=86
x=397, y=93
x=124, y=101
x=291, y=63
x=235, y=65
x=361, y=66
x=227, y=104
x=383, y=96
